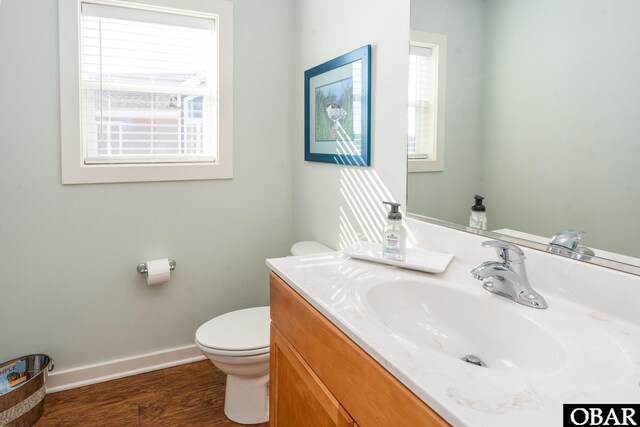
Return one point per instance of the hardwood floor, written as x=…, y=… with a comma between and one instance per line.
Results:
x=187, y=395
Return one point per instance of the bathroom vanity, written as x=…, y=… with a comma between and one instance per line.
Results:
x=329, y=378
x=360, y=343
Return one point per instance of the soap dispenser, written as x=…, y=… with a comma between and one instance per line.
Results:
x=478, y=217
x=394, y=236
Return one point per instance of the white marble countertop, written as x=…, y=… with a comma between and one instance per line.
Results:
x=601, y=354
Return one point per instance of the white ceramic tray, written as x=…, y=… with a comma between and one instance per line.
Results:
x=417, y=259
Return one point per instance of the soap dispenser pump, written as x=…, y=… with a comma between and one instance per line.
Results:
x=394, y=235
x=478, y=217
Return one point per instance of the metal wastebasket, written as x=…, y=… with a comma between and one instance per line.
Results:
x=22, y=389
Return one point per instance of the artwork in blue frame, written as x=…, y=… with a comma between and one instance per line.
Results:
x=337, y=110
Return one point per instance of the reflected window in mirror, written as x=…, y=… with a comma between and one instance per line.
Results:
x=427, y=65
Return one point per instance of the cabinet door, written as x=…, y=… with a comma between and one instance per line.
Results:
x=296, y=395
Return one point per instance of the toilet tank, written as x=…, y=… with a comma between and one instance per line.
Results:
x=308, y=248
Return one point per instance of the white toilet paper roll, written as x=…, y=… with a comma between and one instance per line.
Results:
x=158, y=271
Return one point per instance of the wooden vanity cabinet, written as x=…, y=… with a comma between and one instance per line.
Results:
x=299, y=395
x=319, y=377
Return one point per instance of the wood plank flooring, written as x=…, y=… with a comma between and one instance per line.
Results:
x=187, y=395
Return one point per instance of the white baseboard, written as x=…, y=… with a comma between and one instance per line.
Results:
x=120, y=368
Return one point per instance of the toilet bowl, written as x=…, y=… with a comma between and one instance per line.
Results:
x=237, y=343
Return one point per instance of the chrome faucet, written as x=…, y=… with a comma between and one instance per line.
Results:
x=508, y=276
x=567, y=243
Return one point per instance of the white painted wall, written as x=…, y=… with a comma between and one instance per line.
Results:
x=335, y=204
x=449, y=194
x=68, y=253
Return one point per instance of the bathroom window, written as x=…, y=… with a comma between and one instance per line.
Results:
x=146, y=93
x=427, y=65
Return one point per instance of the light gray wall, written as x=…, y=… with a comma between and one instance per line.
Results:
x=68, y=253
x=562, y=128
x=336, y=204
x=449, y=194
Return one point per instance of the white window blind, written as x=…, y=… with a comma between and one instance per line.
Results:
x=148, y=86
x=422, y=101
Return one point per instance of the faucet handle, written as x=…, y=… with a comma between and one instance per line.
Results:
x=567, y=239
x=507, y=252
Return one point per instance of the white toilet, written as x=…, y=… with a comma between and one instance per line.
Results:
x=238, y=344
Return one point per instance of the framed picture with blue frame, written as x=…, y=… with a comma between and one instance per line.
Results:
x=337, y=110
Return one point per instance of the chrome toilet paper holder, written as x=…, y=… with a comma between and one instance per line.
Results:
x=142, y=267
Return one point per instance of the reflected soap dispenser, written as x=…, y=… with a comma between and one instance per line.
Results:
x=394, y=236
x=478, y=217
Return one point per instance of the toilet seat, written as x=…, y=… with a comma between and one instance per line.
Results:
x=238, y=333
x=233, y=353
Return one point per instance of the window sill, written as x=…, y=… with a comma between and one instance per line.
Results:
x=91, y=174
x=420, y=165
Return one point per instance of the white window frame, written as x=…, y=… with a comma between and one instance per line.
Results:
x=438, y=44
x=74, y=171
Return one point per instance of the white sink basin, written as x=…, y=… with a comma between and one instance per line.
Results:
x=418, y=326
x=458, y=324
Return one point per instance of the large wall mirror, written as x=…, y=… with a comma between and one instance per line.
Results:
x=539, y=113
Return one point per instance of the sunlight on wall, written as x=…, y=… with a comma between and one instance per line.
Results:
x=348, y=151
x=362, y=214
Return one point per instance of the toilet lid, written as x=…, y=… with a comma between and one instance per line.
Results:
x=239, y=330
